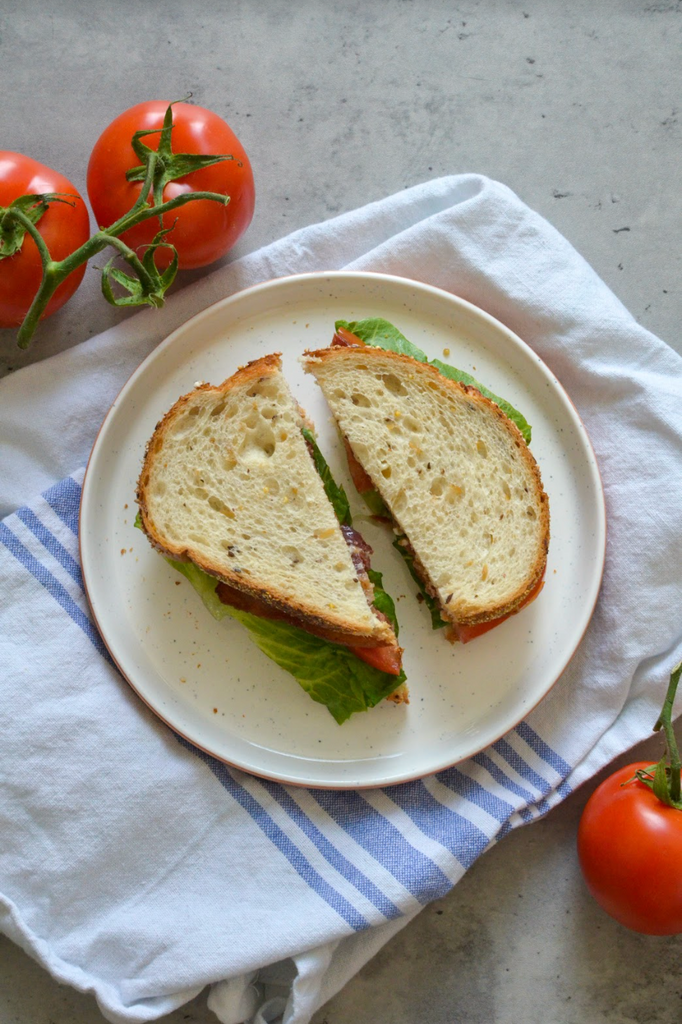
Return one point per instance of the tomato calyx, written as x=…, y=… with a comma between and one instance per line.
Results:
x=149, y=285
x=169, y=166
x=664, y=776
x=22, y=213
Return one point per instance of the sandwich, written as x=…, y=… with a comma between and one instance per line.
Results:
x=447, y=464
x=237, y=496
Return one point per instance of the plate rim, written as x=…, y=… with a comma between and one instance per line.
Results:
x=472, y=309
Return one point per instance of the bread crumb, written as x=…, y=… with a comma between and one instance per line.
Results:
x=446, y=352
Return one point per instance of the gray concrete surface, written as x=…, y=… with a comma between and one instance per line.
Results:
x=577, y=108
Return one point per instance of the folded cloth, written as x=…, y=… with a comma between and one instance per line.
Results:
x=137, y=867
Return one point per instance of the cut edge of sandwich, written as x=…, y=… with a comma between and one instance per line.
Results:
x=455, y=615
x=329, y=626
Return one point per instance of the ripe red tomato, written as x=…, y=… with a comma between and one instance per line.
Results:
x=64, y=228
x=630, y=852
x=204, y=230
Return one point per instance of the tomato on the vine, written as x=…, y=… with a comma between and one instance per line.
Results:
x=204, y=231
x=630, y=852
x=64, y=226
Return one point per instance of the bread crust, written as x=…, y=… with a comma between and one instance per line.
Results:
x=336, y=629
x=369, y=353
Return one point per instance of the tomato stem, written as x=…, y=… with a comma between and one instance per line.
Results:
x=665, y=722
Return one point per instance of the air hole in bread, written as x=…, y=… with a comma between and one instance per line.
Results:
x=393, y=384
x=268, y=413
x=264, y=389
x=185, y=424
x=339, y=567
x=198, y=539
x=217, y=409
x=338, y=393
x=400, y=500
x=411, y=423
x=200, y=492
x=482, y=449
x=455, y=493
x=229, y=462
x=293, y=553
x=437, y=487
x=230, y=547
x=257, y=444
x=272, y=485
x=359, y=399
x=194, y=410
x=386, y=472
x=218, y=505
x=159, y=488
x=506, y=490
x=531, y=513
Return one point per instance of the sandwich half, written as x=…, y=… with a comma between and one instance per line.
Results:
x=448, y=468
x=236, y=495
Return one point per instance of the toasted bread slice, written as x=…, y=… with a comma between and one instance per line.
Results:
x=454, y=472
x=228, y=483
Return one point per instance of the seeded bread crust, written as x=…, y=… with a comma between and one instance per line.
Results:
x=453, y=470
x=255, y=391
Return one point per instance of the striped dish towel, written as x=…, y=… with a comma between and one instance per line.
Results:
x=139, y=868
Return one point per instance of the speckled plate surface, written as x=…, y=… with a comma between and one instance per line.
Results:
x=207, y=680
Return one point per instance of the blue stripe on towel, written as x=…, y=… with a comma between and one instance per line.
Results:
x=51, y=544
x=522, y=768
x=64, y=498
x=281, y=840
x=416, y=872
x=543, y=750
x=502, y=779
x=477, y=794
x=337, y=860
x=53, y=587
x=456, y=833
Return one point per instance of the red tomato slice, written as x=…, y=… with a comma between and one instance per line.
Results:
x=386, y=659
x=345, y=339
x=467, y=633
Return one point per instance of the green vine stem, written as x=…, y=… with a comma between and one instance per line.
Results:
x=664, y=777
x=151, y=286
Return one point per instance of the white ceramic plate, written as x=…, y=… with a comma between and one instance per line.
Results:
x=207, y=680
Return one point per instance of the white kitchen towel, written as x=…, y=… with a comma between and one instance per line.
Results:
x=136, y=867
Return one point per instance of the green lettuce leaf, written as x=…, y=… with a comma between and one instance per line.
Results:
x=335, y=493
x=430, y=602
x=383, y=602
x=382, y=334
x=375, y=503
x=329, y=673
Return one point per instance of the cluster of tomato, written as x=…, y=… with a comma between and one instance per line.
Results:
x=202, y=231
